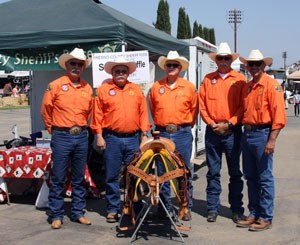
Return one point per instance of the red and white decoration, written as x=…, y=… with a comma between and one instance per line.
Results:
x=34, y=162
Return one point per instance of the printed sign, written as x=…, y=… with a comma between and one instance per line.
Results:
x=140, y=76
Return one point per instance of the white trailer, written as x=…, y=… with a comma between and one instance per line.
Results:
x=200, y=65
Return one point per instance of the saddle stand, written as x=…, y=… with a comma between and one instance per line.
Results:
x=142, y=180
x=145, y=211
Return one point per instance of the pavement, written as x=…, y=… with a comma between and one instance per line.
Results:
x=21, y=223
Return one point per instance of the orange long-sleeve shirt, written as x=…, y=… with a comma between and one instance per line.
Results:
x=221, y=100
x=65, y=105
x=264, y=103
x=120, y=110
x=173, y=106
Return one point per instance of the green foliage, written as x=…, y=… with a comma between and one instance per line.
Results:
x=184, y=28
x=205, y=33
x=200, y=31
x=163, y=22
x=188, y=27
x=195, y=29
x=212, y=38
x=181, y=27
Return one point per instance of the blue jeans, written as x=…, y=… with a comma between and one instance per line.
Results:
x=215, y=145
x=68, y=148
x=183, y=140
x=118, y=150
x=258, y=171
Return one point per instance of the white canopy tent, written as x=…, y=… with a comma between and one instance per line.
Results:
x=294, y=76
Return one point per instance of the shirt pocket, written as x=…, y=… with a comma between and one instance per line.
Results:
x=182, y=102
x=212, y=92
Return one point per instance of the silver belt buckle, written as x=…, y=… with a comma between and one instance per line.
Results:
x=171, y=128
x=75, y=130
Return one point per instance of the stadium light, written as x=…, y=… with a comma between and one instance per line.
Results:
x=234, y=18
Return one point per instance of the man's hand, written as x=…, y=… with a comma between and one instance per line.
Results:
x=101, y=142
x=221, y=128
x=270, y=147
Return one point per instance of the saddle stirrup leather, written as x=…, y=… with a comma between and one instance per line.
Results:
x=142, y=178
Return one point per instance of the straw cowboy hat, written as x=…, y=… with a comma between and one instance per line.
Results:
x=78, y=54
x=256, y=55
x=173, y=55
x=223, y=50
x=120, y=61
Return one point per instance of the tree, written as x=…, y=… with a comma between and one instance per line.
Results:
x=181, y=27
x=212, y=37
x=195, y=29
x=200, y=31
x=205, y=33
x=163, y=22
x=188, y=27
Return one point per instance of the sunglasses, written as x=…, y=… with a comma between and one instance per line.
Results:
x=226, y=58
x=175, y=65
x=121, y=71
x=255, y=63
x=79, y=64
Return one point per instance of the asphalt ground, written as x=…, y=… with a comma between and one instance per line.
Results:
x=22, y=223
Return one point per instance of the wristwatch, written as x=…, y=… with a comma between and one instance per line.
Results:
x=229, y=125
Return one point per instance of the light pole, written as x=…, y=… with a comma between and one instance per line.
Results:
x=284, y=56
x=234, y=17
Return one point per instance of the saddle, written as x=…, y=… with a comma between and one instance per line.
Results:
x=142, y=178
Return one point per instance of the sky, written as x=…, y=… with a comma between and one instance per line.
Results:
x=268, y=25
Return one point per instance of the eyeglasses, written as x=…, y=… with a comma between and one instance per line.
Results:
x=226, y=58
x=79, y=64
x=255, y=63
x=175, y=65
x=121, y=71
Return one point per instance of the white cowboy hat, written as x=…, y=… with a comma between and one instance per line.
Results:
x=223, y=50
x=120, y=61
x=173, y=55
x=78, y=54
x=256, y=55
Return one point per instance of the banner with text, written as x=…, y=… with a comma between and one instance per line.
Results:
x=46, y=59
x=140, y=76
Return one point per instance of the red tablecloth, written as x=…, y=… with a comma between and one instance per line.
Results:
x=24, y=162
x=33, y=162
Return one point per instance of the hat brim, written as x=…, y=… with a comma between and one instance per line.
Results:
x=268, y=60
x=64, y=58
x=181, y=60
x=110, y=65
x=213, y=56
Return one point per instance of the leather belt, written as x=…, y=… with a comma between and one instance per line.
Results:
x=75, y=130
x=121, y=135
x=171, y=128
x=251, y=127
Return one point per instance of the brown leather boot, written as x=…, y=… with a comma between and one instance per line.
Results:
x=260, y=225
x=84, y=221
x=245, y=223
x=56, y=224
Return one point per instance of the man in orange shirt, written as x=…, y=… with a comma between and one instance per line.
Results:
x=221, y=109
x=174, y=108
x=65, y=111
x=120, y=116
x=264, y=117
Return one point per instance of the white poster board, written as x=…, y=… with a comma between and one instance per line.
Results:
x=140, y=76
